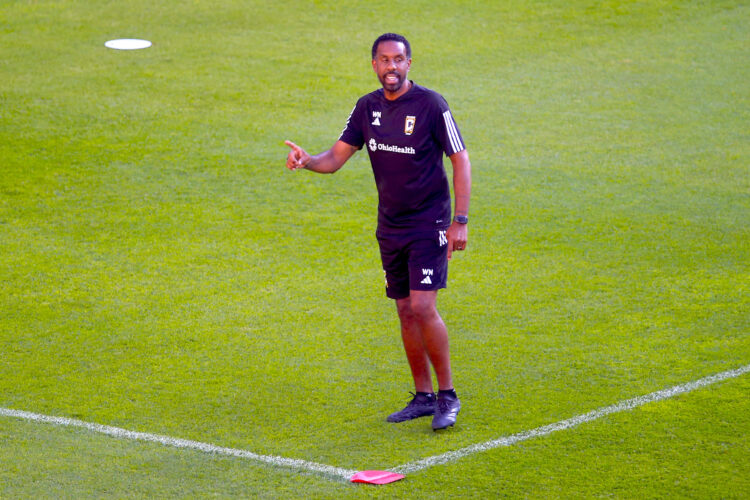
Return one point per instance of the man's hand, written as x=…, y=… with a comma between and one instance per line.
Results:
x=297, y=157
x=457, y=235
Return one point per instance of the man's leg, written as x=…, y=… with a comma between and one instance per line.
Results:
x=427, y=324
x=425, y=340
x=416, y=353
x=424, y=400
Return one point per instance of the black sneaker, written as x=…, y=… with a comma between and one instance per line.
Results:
x=446, y=410
x=421, y=405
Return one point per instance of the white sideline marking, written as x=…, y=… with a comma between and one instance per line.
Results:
x=629, y=404
x=344, y=474
x=288, y=463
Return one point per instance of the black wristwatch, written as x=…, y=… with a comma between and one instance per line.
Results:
x=461, y=219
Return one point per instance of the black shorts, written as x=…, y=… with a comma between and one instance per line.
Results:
x=414, y=262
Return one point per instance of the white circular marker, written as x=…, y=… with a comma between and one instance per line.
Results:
x=128, y=44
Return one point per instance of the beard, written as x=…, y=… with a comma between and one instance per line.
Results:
x=392, y=86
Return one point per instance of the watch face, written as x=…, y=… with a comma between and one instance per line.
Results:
x=461, y=219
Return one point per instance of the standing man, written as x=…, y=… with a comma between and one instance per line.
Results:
x=406, y=129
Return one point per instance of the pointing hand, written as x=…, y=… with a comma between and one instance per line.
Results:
x=297, y=157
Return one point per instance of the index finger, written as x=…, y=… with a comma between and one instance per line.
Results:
x=292, y=145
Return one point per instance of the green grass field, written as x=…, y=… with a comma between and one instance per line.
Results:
x=162, y=272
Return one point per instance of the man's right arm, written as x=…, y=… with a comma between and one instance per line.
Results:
x=326, y=162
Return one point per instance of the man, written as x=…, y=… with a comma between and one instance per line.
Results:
x=406, y=129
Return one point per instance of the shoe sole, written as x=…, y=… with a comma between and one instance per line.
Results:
x=408, y=419
x=435, y=429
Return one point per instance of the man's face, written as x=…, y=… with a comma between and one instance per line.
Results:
x=392, y=66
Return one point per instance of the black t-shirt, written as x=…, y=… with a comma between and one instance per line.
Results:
x=406, y=139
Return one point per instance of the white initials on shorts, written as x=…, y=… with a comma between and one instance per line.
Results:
x=426, y=273
x=442, y=238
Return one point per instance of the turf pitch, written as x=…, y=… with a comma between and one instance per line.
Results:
x=163, y=273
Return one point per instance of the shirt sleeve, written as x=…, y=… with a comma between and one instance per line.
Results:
x=353, y=133
x=447, y=130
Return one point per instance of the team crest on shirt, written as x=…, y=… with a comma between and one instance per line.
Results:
x=409, y=124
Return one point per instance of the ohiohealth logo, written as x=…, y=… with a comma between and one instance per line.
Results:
x=374, y=146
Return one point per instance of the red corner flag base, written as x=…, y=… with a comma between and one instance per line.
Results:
x=376, y=477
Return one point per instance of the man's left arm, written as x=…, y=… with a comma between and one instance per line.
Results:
x=458, y=233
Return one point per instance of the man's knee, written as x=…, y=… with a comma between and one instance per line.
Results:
x=423, y=305
x=405, y=313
